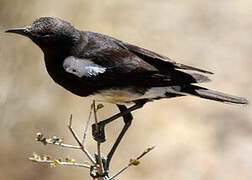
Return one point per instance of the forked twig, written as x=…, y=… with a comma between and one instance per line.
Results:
x=97, y=163
x=79, y=142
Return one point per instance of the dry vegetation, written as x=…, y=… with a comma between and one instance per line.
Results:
x=195, y=139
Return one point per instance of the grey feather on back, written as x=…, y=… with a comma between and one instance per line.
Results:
x=82, y=67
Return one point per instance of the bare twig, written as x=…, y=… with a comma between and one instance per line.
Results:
x=132, y=162
x=79, y=142
x=66, y=145
x=60, y=163
x=97, y=171
x=100, y=169
x=87, y=124
x=54, y=141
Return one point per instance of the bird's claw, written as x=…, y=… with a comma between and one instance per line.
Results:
x=94, y=174
x=98, y=132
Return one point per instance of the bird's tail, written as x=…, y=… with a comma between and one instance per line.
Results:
x=212, y=95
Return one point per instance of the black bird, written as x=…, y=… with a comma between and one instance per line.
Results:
x=107, y=69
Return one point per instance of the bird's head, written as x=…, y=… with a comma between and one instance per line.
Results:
x=49, y=32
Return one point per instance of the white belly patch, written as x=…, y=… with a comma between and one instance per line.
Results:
x=116, y=96
x=127, y=95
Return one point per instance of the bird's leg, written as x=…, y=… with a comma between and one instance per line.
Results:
x=99, y=133
x=127, y=118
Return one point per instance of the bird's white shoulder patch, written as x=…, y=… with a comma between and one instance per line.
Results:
x=82, y=67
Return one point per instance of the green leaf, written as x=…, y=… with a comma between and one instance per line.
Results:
x=68, y=159
x=39, y=136
x=99, y=106
x=52, y=165
x=47, y=157
x=56, y=162
x=135, y=162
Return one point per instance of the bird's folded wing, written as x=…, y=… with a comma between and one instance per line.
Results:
x=159, y=60
x=112, y=69
x=121, y=61
x=120, y=67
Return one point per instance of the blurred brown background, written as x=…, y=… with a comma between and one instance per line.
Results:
x=195, y=139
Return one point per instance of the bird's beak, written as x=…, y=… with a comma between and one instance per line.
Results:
x=21, y=31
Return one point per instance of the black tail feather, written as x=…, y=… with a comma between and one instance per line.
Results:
x=213, y=95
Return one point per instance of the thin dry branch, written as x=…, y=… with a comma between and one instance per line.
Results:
x=54, y=141
x=132, y=162
x=79, y=142
x=97, y=162
x=100, y=168
x=61, y=163
x=87, y=124
x=66, y=145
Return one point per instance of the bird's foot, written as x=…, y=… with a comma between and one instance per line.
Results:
x=98, y=132
x=95, y=174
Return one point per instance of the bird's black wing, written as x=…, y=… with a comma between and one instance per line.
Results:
x=121, y=64
x=160, y=61
x=112, y=67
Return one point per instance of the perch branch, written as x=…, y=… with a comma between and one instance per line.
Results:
x=100, y=169
x=87, y=124
x=78, y=141
x=60, y=163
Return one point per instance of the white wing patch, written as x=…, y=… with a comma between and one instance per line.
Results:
x=82, y=67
